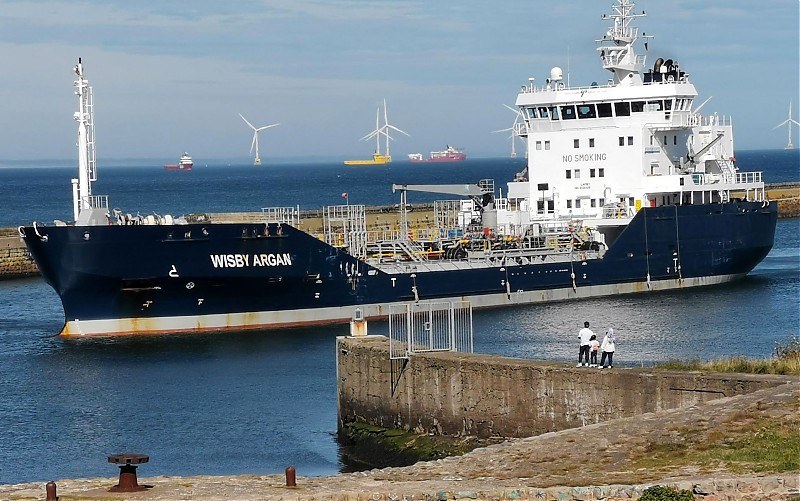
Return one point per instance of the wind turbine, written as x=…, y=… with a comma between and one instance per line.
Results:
x=254, y=144
x=789, y=121
x=375, y=133
x=514, y=129
x=383, y=131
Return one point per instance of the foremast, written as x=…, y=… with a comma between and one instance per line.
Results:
x=617, y=45
x=83, y=203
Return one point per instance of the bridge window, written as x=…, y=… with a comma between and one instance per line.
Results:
x=604, y=110
x=622, y=109
x=655, y=105
x=543, y=112
x=532, y=113
x=568, y=112
x=668, y=104
x=554, y=113
x=587, y=111
x=637, y=106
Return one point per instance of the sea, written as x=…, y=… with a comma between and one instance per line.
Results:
x=258, y=402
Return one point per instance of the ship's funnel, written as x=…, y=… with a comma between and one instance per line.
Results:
x=657, y=65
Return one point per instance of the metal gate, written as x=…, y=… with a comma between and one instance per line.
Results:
x=429, y=326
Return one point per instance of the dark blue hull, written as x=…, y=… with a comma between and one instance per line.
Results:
x=184, y=278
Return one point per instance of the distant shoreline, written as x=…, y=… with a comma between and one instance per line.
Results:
x=221, y=162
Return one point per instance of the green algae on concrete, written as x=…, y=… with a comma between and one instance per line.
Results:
x=370, y=446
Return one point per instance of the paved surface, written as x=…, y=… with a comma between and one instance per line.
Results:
x=595, y=455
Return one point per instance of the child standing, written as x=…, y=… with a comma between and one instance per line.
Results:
x=594, y=345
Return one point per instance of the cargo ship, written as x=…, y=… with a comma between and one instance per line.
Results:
x=450, y=154
x=628, y=190
x=185, y=163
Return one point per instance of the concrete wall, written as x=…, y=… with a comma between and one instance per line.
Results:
x=491, y=396
x=15, y=261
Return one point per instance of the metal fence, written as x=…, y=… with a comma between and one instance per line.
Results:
x=429, y=326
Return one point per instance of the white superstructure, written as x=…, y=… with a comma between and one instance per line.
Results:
x=599, y=153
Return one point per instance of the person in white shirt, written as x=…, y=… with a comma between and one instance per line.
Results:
x=585, y=336
x=608, y=346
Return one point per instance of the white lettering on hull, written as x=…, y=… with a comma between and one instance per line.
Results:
x=250, y=261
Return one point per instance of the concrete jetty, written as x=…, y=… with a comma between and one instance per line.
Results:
x=465, y=394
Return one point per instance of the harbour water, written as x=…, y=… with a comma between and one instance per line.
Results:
x=257, y=402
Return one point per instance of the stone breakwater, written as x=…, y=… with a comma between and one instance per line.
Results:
x=15, y=260
x=588, y=463
x=788, y=197
x=789, y=207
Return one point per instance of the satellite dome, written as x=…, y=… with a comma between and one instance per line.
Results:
x=556, y=74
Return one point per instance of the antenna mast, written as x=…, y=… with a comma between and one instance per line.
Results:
x=616, y=49
x=87, y=166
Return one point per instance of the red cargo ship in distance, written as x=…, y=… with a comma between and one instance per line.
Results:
x=185, y=163
x=449, y=155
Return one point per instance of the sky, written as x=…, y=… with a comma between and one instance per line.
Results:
x=172, y=75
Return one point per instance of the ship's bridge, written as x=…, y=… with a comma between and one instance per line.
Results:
x=548, y=109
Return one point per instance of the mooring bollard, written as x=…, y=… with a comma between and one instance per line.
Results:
x=290, y=477
x=51, y=491
x=358, y=325
x=127, y=471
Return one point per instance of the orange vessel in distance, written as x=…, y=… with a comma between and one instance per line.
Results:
x=449, y=155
